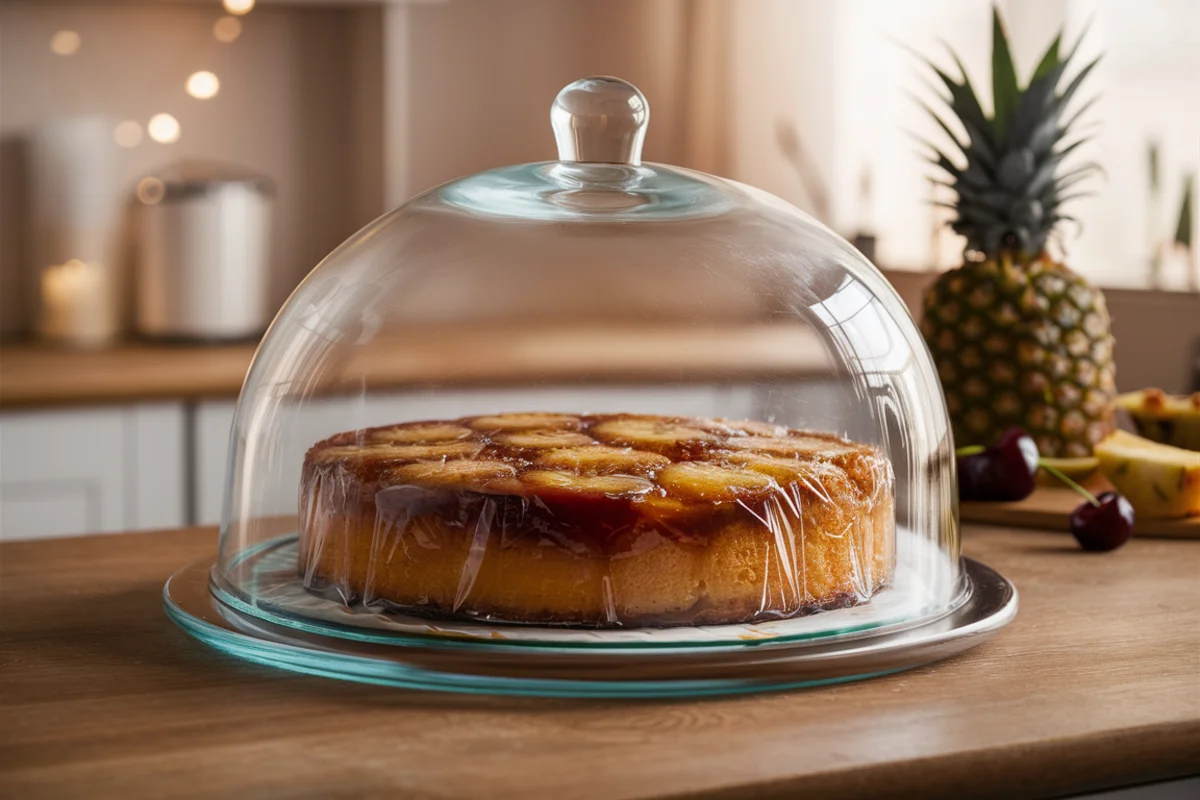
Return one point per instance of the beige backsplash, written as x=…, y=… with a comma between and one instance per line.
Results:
x=347, y=109
x=302, y=96
x=288, y=107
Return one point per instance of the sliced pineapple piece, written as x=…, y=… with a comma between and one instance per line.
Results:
x=794, y=446
x=752, y=427
x=461, y=474
x=781, y=469
x=420, y=433
x=407, y=452
x=565, y=483
x=1159, y=480
x=694, y=480
x=1160, y=417
x=542, y=440
x=524, y=422
x=1077, y=469
x=739, y=427
x=598, y=459
x=649, y=433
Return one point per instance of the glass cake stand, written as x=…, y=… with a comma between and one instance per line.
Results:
x=594, y=283
x=283, y=627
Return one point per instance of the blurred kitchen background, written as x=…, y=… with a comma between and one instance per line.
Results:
x=130, y=130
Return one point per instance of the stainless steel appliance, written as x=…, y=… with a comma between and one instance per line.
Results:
x=202, y=254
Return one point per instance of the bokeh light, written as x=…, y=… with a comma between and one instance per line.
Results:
x=65, y=43
x=202, y=85
x=150, y=190
x=164, y=129
x=239, y=6
x=128, y=133
x=227, y=29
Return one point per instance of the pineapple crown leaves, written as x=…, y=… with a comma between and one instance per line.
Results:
x=1010, y=188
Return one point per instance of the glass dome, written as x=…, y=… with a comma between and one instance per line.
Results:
x=592, y=394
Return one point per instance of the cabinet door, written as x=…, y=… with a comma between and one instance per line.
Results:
x=156, y=466
x=212, y=422
x=91, y=471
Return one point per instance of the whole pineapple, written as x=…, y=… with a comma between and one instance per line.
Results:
x=1018, y=338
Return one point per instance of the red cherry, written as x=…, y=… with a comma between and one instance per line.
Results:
x=1004, y=471
x=1103, y=527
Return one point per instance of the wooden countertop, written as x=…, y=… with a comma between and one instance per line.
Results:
x=1095, y=684
x=34, y=375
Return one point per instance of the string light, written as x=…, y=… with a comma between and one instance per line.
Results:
x=65, y=43
x=202, y=85
x=163, y=128
x=227, y=29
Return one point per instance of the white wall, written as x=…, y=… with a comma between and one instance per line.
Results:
x=1149, y=86
x=482, y=75
x=840, y=72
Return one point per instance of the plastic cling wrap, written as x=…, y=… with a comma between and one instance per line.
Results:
x=596, y=520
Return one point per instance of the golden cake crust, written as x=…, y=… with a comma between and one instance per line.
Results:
x=602, y=520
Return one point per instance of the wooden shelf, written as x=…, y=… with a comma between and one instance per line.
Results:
x=33, y=375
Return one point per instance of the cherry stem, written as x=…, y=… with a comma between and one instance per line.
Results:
x=1091, y=498
x=970, y=450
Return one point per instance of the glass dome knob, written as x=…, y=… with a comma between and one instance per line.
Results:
x=600, y=120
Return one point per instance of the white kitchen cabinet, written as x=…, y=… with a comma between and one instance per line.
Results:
x=210, y=453
x=99, y=470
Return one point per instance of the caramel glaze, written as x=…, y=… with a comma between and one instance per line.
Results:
x=607, y=524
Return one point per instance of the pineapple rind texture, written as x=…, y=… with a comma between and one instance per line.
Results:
x=1026, y=346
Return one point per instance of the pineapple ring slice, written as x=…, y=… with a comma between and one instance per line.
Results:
x=650, y=433
x=389, y=452
x=781, y=469
x=695, y=480
x=741, y=427
x=542, y=440
x=524, y=422
x=823, y=479
x=598, y=459
x=586, y=485
x=794, y=446
x=420, y=433
x=462, y=474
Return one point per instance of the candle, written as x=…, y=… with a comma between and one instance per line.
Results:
x=77, y=304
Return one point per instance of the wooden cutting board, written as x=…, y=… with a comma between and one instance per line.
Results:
x=1049, y=507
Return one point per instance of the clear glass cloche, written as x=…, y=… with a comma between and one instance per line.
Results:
x=592, y=393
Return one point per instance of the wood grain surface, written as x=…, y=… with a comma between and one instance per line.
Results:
x=35, y=375
x=1095, y=684
x=1049, y=508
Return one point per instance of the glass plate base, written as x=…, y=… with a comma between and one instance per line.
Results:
x=269, y=587
x=496, y=667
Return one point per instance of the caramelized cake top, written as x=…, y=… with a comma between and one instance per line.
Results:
x=655, y=466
